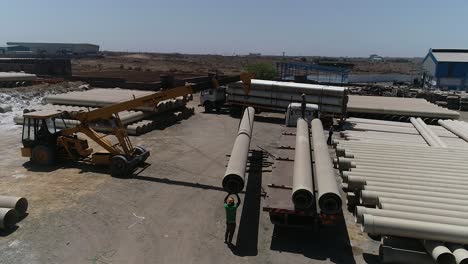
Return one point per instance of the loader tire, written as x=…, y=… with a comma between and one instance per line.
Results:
x=43, y=155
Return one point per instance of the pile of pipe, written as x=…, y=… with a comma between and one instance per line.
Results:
x=414, y=133
x=274, y=94
x=397, y=108
x=234, y=177
x=329, y=198
x=417, y=191
x=136, y=122
x=12, y=209
x=16, y=79
x=99, y=97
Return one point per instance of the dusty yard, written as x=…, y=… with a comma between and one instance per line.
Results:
x=147, y=67
x=169, y=213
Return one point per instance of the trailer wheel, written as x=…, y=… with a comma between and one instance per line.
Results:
x=119, y=167
x=43, y=155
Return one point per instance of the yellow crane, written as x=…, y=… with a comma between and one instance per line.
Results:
x=45, y=145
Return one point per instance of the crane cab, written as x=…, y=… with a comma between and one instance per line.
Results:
x=39, y=136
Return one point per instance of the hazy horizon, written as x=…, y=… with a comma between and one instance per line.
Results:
x=299, y=28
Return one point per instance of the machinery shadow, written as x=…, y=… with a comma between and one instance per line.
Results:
x=371, y=258
x=326, y=243
x=247, y=234
x=180, y=183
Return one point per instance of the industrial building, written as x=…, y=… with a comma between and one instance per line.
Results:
x=49, y=49
x=446, y=69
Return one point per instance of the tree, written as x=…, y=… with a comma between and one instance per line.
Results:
x=262, y=71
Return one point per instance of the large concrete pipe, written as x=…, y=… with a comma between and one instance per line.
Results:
x=378, y=225
x=407, y=173
x=373, y=198
x=424, y=210
x=8, y=218
x=360, y=211
x=436, y=192
x=454, y=129
x=402, y=176
x=419, y=185
x=293, y=87
x=419, y=155
x=404, y=205
x=233, y=180
x=382, y=151
x=281, y=104
x=423, y=132
x=431, y=133
x=302, y=189
x=329, y=198
x=20, y=204
x=460, y=253
x=362, y=145
x=357, y=162
x=356, y=182
x=292, y=97
x=439, y=252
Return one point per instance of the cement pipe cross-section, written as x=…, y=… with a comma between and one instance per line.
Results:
x=329, y=198
x=234, y=178
x=302, y=189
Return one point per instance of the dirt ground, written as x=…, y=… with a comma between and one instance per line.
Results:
x=171, y=212
x=146, y=67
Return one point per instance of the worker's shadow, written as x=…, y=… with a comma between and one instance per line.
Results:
x=321, y=244
x=247, y=234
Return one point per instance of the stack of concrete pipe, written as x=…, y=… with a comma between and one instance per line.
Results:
x=429, y=136
x=11, y=210
x=234, y=178
x=329, y=198
x=303, y=188
x=397, y=108
x=456, y=127
x=419, y=192
x=134, y=120
x=379, y=131
x=331, y=99
x=15, y=79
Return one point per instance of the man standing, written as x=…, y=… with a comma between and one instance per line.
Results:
x=330, y=135
x=231, y=210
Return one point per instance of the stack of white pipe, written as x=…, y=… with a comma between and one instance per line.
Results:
x=280, y=94
x=398, y=106
x=419, y=191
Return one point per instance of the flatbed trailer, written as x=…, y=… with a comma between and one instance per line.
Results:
x=278, y=202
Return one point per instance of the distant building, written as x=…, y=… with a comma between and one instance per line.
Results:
x=446, y=69
x=52, y=49
x=375, y=58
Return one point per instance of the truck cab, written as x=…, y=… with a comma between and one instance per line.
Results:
x=294, y=111
x=213, y=99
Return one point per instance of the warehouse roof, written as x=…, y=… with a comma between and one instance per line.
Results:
x=450, y=55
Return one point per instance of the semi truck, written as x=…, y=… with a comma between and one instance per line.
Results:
x=274, y=96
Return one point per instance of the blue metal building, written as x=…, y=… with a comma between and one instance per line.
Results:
x=446, y=69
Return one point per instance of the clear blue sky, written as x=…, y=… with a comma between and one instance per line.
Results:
x=299, y=27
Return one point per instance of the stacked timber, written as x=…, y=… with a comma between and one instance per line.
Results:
x=417, y=191
x=396, y=108
x=278, y=95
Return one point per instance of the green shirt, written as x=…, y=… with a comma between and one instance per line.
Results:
x=230, y=213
